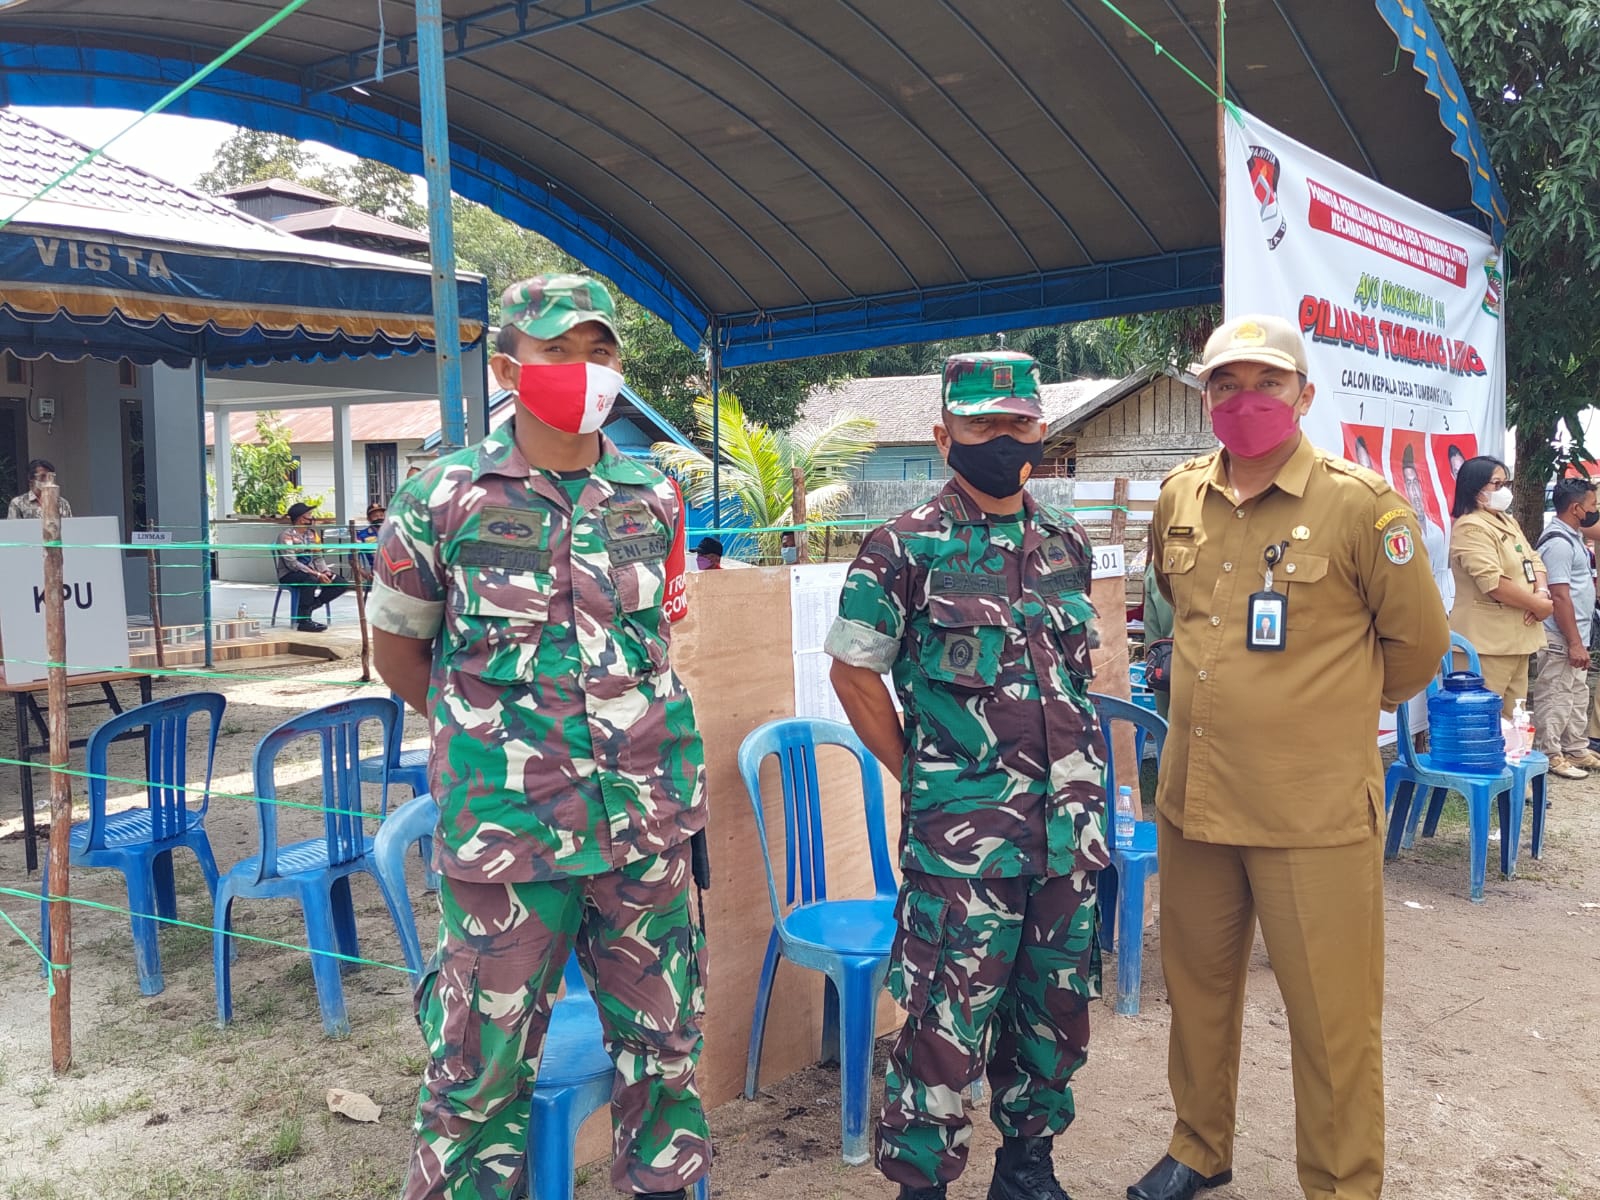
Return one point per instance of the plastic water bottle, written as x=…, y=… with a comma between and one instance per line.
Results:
x=1522, y=723
x=1125, y=818
x=242, y=613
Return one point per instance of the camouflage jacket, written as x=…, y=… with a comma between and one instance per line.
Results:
x=989, y=648
x=563, y=743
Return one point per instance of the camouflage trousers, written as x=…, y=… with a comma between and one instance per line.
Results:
x=995, y=972
x=484, y=1007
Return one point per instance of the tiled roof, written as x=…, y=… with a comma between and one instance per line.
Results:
x=906, y=407
x=391, y=421
x=31, y=156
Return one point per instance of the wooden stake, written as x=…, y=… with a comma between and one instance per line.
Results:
x=155, y=608
x=797, y=515
x=361, y=607
x=1119, y=514
x=55, y=641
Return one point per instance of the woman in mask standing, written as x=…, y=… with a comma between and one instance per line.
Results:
x=1502, y=599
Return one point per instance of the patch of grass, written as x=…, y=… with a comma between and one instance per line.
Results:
x=33, y=1187
x=411, y=1064
x=288, y=1140
x=52, y=1141
x=229, y=728
x=103, y=1108
x=184, y=944
x=37, y=1093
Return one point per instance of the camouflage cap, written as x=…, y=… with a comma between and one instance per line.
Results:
x=991, y=381
x=546, y=306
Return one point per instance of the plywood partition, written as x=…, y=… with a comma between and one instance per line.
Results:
x=734, y=653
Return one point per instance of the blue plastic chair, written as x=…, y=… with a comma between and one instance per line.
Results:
x=315, y=872
x=575, y=1072
x=1123, y=884
x=1411, y=772
x=285, y=589
x=140, y=842
x=847, y=940
x=410, y=768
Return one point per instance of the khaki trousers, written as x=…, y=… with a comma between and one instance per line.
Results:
x=1506, y=675
x=1321, y=915
x=1559, y=698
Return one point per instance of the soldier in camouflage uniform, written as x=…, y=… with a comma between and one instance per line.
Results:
x=977, y=603
x=518, y=600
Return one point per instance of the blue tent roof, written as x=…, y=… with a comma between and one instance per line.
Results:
x=802, y=176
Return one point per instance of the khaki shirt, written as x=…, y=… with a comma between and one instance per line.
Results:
x=1280, y=748
x=1484, y=546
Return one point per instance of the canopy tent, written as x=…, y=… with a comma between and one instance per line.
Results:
x=117, y=264
x=793, y=177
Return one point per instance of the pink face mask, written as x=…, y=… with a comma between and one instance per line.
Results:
x=1251, y=424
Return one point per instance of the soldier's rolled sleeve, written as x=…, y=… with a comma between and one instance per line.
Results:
x=1474, y=546
x=1407, y=611
x=873, y=607
x=408, y=588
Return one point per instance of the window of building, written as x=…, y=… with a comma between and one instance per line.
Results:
x=294, y=471
x=383, y=461
x=135, y=498
x=13, y=369
x=127, y=373
x=917, y=468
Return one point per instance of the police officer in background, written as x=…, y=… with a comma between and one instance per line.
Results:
x=1271, y=527
x=977, y=603
x=517, y=600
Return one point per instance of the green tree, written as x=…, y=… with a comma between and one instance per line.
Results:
x=263, y=471
x=758, y=465
x=1171, y=339
x=250, y=156
x=1532, y=71
x=375, y=188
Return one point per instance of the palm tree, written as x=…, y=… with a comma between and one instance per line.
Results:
x=757, y=476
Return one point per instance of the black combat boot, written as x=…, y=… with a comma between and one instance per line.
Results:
x=931, y=1192
x=1023, y=1171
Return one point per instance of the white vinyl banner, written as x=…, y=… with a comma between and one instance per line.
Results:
x=1400, y=307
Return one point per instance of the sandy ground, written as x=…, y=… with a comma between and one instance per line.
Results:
x=1492, y=1053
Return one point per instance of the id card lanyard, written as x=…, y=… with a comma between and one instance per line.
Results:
x=1268, y=610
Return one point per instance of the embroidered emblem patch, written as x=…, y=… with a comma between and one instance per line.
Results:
x=960, y=654
x=1399, y=546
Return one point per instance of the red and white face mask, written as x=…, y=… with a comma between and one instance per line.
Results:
x=572, y=397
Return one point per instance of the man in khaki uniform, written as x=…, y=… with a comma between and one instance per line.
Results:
x=1249, y=827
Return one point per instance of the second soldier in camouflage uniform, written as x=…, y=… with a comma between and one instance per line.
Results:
x=518, y=598
x=977, y=604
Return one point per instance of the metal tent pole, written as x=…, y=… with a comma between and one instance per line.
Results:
x=441, y=233
x=716, y=428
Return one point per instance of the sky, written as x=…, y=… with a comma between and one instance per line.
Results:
x=178, y=149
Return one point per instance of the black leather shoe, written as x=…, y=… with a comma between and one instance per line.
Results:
x=933, y=1192
x=319, y=627
x=1169, y=1179
x=1023, y=1170
x=680, y=1194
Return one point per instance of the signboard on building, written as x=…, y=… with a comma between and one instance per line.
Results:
x=96, y=607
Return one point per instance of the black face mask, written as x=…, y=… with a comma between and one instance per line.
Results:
x=995, y=467
x=1589, y=519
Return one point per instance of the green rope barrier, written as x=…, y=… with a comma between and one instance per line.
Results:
x=166, y=101
x=181, y=673
x=211, y=929
x=1163, y=52
x=188, y=788
x=51, y=968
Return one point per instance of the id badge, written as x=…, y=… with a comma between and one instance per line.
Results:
x=1268, y=611
x=1527, y=570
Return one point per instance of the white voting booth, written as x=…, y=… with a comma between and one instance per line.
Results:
x=96, y=606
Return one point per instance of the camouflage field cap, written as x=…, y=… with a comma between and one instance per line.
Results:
x=991, y=381
x=546, y=306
